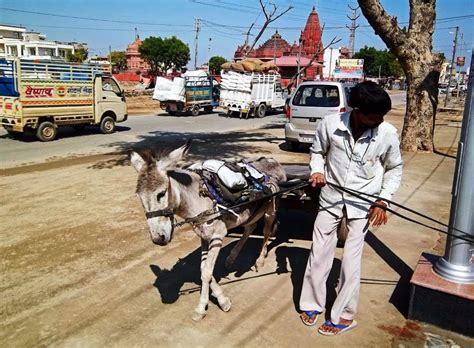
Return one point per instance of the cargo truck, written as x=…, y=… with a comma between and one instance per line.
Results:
x=251, y=93
x=41, y=96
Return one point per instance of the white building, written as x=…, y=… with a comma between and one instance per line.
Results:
x=18, y=42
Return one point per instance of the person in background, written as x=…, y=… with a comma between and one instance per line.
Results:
x=359, y=151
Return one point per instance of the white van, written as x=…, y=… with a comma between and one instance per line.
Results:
x=312, y=101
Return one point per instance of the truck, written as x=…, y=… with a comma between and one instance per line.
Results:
x=251, y=93
x=194, y=91
x=41, y=95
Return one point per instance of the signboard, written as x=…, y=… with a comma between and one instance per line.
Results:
x=460, y=61
x=349, y=69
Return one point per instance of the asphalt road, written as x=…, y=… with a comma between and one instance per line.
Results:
x=137, y=128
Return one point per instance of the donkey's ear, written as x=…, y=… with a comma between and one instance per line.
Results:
x=137, y=161
x=174, y=156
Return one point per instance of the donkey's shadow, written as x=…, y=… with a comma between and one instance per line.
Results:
x=170, y=282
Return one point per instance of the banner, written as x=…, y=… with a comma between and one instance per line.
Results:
x=349, y=69
x=460, y=61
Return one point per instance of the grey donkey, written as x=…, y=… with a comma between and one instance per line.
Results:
x=165, y=191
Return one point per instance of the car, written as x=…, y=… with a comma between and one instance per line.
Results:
x=312, y=101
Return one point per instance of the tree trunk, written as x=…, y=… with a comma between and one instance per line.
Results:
x=413, y=48
x=422, y=101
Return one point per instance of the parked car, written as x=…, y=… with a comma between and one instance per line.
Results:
x=312, y=101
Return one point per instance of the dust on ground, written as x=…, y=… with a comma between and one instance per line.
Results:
x=78, y=267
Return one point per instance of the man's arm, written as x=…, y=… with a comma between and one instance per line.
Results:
x=391, y=182
x=393, y=169
x=318, y=153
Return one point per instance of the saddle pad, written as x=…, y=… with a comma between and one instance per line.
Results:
x=231, y=179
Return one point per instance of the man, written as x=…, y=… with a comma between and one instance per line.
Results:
x=358, y=151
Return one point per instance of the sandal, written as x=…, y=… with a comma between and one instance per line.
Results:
x=335, y=329
x=309, y=317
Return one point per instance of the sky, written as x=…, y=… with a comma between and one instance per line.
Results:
x=224, y=23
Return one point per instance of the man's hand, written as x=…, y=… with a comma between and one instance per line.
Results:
x=377, y=214
x=317, y=180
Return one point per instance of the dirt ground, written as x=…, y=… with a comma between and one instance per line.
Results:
x=78, y=268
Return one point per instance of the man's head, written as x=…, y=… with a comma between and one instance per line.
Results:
x=370, y=103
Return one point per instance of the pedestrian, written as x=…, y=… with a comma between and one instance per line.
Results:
x=359, y=151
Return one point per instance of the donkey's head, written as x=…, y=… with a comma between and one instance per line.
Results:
x=155, y=192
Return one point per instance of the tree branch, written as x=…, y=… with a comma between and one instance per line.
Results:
x=269, y=19
x=385, y=26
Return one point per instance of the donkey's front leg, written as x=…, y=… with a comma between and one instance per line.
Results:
x=207, y=269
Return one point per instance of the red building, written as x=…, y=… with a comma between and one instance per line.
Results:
x=134, y=62
x=285, y=55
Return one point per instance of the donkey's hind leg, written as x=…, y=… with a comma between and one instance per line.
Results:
x=248, y=229
x=270, y=225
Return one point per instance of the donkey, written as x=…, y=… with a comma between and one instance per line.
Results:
x=165, y=191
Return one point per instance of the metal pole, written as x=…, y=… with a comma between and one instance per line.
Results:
x=451, y=67
x=330, y=63
x=457, y=264
x=196, y=40
x=299, y=58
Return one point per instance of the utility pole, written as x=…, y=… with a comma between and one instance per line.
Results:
x=330, y=63
x=209, y=56
x=197, y=28
x=299, y=59
x=457, y=263
x=352, y=28
x=455, y=43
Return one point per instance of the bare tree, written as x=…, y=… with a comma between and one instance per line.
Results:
x=269, y=17
x=413, y=48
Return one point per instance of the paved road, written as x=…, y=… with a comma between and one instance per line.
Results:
x=91, y=141
x=136, y=128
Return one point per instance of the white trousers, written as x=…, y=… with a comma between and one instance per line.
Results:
x=313, y=293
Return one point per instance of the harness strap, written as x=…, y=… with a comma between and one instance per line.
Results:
x=161, y=212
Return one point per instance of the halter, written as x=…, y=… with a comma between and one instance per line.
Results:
x=167, y=212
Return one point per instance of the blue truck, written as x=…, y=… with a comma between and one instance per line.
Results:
x=198, y=91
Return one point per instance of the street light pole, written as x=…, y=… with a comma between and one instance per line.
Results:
x=457, y=263
x=455, y=42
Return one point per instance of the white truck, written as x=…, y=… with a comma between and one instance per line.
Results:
x=43, y=95
x=250, y=93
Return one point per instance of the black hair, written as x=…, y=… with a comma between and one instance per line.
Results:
x=370, y=98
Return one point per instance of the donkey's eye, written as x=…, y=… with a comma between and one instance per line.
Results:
x=160, y=195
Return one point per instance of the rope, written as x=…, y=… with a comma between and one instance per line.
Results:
x=196, y=219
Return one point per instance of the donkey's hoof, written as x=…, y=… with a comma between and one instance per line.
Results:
x=225, y=304
x=198, y=316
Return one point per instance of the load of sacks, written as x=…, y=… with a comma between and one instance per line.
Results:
x=251, y=65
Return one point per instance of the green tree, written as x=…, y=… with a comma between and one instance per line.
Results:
x=79, y=55
x=164, y=54
x=119, y=60
x=215, y=64
x=375, y=60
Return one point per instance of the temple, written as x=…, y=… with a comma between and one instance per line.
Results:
x=285, y=55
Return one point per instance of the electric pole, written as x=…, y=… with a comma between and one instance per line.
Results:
x=455, y=43
x=352, y=28
x=197, y=27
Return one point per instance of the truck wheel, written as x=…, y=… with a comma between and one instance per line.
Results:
x=46, y=131
x=208, y=109
x=195, y=111
x=262, y=109
x=107, y=125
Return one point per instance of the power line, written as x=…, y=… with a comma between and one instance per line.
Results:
x=93, y=19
